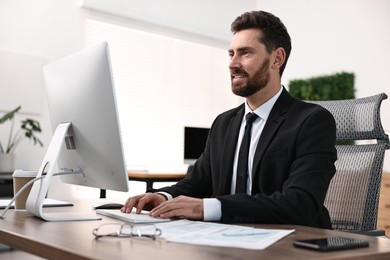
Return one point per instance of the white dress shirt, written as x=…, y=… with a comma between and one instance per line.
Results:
x=211, y=206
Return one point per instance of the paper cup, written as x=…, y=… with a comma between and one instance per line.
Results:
x=20, y=178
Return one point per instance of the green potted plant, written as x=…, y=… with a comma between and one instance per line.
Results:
x=327, y=87
x=28, y=129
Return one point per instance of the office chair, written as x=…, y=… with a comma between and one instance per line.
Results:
x=353, y=194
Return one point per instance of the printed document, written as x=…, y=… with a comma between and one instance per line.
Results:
x=216, y=234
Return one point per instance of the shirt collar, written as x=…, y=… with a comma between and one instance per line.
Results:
x=265, y=109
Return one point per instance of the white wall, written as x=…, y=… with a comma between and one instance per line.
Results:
x=41, y=28
x=50, y=29
x=328, y=36
x=44, y=28
x=339, y=35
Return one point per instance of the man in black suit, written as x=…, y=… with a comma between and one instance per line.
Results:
x=292, y=145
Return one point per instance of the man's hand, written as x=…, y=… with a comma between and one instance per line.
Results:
x=146, y=201
x=180, y=207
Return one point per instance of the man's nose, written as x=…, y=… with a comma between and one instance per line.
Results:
x=234, y=62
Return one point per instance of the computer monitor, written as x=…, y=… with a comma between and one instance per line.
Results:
x=86, y=145
x=194, y=143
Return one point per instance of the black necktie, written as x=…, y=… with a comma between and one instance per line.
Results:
x=242, y=166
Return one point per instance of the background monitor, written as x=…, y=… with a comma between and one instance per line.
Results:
x=194, y=143
x=82, y=108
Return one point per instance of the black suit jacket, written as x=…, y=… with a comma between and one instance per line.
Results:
x=292, y=167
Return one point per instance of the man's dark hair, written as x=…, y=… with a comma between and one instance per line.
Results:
x=275, y=34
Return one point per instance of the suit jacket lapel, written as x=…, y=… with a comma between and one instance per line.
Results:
x=228, y=151
x=274, y=121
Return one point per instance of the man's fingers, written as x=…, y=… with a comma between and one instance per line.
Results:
x=131, y=203
x=145, y=201
x=180, y=207
x=167, y=210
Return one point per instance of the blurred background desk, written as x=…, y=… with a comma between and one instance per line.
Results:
x=150, y=177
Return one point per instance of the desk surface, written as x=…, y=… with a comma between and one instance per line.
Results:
x=155, y=175
x=74, y=240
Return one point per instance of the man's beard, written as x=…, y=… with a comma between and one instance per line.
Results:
x=256, y=83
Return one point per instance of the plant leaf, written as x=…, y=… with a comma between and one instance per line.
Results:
x=9, y=115
x=30, y=126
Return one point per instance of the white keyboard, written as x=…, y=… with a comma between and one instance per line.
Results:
x=130, y=217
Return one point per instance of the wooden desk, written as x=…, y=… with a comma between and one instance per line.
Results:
x=151, y=177
x=74, y=240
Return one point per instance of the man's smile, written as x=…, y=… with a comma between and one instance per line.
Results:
x=238, y=77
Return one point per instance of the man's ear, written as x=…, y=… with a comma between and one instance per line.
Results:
x=278, y=58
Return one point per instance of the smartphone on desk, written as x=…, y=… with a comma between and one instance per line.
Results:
x=331, y=243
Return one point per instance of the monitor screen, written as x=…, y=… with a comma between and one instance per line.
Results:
x=194, y=143
x=83, y=113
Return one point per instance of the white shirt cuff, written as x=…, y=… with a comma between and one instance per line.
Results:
x=212, y=210
x=166, y=194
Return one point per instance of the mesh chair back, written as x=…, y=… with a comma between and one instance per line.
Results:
x=353, y=194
